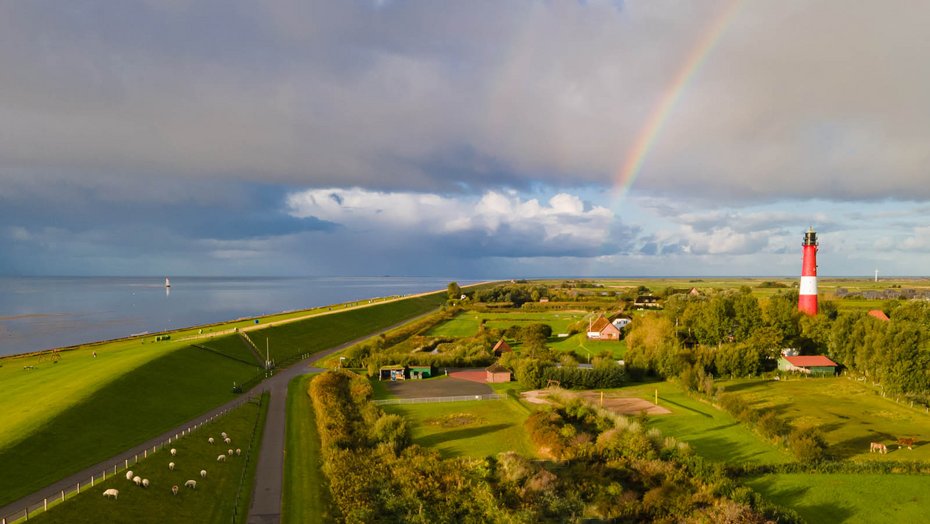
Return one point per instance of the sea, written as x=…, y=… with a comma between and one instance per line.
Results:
x=38, y=313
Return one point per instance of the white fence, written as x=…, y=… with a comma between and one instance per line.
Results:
x=425, y=400
x=117, y=466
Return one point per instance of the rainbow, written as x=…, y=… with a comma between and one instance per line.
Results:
x=646, y=138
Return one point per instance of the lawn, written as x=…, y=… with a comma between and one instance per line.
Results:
x=712, y=433
x=465, y=324
x=212, y=501
x=867, y=498
x=306, y=494
x=126, y=411
x=472, y=429
x=849, y=413
x=579, y=344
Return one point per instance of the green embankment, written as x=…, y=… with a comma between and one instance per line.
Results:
x=212, y=501
x=306, y=493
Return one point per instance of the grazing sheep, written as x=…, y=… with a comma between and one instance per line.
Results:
x=221, y=458
x=227, y=440
x=171, y=466
x=129, y=475
x=138, y=480
x=173, y=452
x=210, y=440
x=238, y=451
x=203, y=473
x=223, y=434
x=145, y=483
x=229, y=452
x=174, y=489
x=191, y=484
x=111, y=493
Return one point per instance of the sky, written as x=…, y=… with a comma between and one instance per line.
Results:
x=475, y=139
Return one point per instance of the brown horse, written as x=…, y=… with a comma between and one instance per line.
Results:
x=878, y=447
x=906, y=441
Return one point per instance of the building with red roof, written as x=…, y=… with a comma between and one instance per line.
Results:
x=879, y=314
x=501, y=347
x=602, y=329
x=808, y=364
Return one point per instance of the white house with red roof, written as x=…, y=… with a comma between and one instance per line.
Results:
x=808, y=364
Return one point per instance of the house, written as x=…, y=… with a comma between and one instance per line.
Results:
x=646, y=302
x=501, y=347
x=544, y=300
x=497, y=373
x=602, y=329
x=393, y=372
x=811, y=365
x=879, y=314
x=622, y=322
x=421, y=371
x=694, y=292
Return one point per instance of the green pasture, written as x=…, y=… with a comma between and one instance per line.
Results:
x=127, y=409
x=849, y=413
x=712, y=433
x=466, y=323
x=212, y=501
x=476, y=428
x=849, y=498
x=579, y=344
x=306, y=494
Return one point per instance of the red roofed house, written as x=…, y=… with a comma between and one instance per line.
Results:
x=498, y=373
x=809, y=364
x=879, y=314
x=602, y=329
x=501, y=347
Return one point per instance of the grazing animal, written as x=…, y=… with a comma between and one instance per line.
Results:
x=111, y=493
x=238, y=451
x=223, y=434
x=229, y=452
x=906, y=441
x=210, y=440
x=171, y=466
x=227, y=440
x=191, y=484
x=129, y=475
x=145, y=483
x=221, y=458
x=203, y=473
x=173, y=452
x=138, y=480
x=174, y=489
x=877, y=447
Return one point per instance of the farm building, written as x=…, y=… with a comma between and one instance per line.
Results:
x=498, y=373
x=811, y=365
x=647, y=302
x=501, y=347
x=420, y=371
x=602, y=329
x=879, y=314
x=395, y=372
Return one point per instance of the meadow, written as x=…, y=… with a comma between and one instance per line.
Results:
x=306, y=492
x=212, y=501
x=466, y=323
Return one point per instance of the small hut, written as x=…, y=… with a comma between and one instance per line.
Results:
x=393, y=372
x=498, y=373
x=420, y=371
x=501, y=347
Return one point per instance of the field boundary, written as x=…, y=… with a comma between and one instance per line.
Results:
x=426, y=400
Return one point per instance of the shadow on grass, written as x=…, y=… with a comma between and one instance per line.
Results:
x=857, y=445
x=459, y=434
x=689, y=408
x=724, y=449
x=792, y=497
x=732, y=388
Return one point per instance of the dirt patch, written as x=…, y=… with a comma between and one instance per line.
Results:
x=472, y=375
x=616, y=404
x=454, y=420
x=437, y=387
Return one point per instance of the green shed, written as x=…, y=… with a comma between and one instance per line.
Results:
x=420, y=371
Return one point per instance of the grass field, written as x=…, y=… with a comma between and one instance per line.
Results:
x=831, y=498
x=213, y=500
x=466, y=323
x=474, y=429
x=306, y=494
x=580, y=345
x=850, y=414
x=130, y=408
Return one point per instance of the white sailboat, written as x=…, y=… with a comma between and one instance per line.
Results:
x=167, y=282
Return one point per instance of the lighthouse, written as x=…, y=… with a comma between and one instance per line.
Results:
x=807, y=296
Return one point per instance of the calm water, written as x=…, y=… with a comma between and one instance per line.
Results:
x=43, y=313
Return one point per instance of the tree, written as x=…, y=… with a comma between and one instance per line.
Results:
x=454, y=291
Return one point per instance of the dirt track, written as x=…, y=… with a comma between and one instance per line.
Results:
x=619, y=405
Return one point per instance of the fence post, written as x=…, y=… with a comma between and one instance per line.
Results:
x=79, y=488
x=126, y=463
x=62, y=495
x=45, y=504
x=91, y=480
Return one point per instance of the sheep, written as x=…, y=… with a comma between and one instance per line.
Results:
x=210, y=440
x=221, y=458
x=145, y=483
x=129, y=475
x=174, y=489
x=227, y=440
x=138, y=480
x=111, y=493
x=191, y=484
x=173, y=452
x=238, y=451
x=229, y=452
x=203, y=473
x=171, y=466
x=223, y=434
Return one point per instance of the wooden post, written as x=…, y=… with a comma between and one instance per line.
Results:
x=657, y=396
x=45, y=504
x=79, y=488
x=62, y=495
x=91, y=481
x=602, y=398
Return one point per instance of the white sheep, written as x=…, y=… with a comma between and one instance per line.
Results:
x=210, y=440
x=223, y=434
x=129, y=475
x=229, y=452
x=145, y=483
x=111, y=493
x=174, y=489
x=138, y=480
x=221, y=458
x=238, y=451
x=203, y=473
x=171, y=466
x=173, y=452
x=191, y=484
x=227, y=440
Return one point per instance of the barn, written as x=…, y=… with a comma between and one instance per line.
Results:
x=497, y=373
x=808, y=364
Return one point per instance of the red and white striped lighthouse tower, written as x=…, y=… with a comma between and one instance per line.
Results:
x=807, y=296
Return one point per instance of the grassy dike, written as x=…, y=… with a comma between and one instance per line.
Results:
x=61, y=417
x=306, y=493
